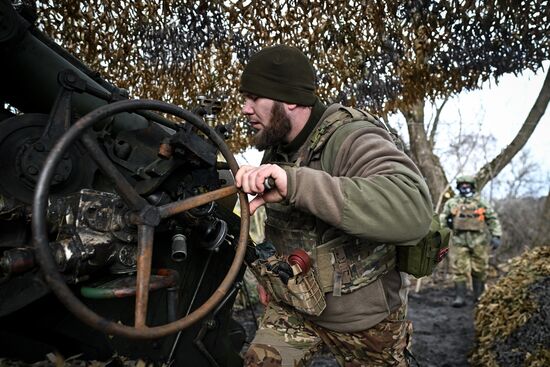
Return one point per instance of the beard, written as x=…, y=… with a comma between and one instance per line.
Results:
x=276, y=131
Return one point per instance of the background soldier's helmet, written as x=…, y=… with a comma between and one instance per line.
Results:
x=466, y=179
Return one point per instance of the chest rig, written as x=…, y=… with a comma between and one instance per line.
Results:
x=468, y=215
x=343, y=263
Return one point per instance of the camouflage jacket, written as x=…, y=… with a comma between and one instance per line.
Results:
x=473, y=215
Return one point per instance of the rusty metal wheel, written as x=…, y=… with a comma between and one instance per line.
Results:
x=145, y=216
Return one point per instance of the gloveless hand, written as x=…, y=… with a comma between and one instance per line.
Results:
x=251, y=180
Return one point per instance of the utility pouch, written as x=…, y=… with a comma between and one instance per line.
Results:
x=305, y=292
x=421, y=260
x=302, y=290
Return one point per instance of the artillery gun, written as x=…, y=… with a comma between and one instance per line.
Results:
x=113, y=212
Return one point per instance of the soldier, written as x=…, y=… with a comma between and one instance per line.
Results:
x=475, y=226
x=344, y=194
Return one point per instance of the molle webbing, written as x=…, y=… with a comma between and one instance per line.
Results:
x=343, y=264
x=288, y=229
x=346, y=263
x=469, y=217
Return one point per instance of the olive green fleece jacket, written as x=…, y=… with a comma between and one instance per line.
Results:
x=368, y=188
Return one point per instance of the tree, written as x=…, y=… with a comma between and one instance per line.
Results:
x=491, y=169
x=386, y=56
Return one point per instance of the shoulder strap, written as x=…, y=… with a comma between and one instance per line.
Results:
x=326, y=129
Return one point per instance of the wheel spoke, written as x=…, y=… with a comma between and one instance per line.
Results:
x=123, y=187
x=145, y=255
x=145, y=216
x=171, y=209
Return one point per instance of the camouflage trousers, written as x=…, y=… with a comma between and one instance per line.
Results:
x=469, y=255
x=286, y=339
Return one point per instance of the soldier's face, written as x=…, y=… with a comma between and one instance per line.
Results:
x=268, y=119
x=465, y=189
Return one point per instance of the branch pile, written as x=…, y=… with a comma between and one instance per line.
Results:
x=511, y=319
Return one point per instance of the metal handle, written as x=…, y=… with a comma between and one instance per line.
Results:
x=269, y=183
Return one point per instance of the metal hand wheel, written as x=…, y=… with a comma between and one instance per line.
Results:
x=144, y=215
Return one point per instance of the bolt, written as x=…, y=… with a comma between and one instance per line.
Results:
x=211, y=324
x=71, y=78
x=32, y=170
x=39, y=147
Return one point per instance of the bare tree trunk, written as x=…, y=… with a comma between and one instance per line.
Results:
x=543, y=233
x=422, y=152
x=493, y=168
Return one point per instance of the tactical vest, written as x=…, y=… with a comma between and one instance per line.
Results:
x=343, y=263
x=468, y=216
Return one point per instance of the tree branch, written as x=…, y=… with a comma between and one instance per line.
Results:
x=431, y=140
x=493, y=168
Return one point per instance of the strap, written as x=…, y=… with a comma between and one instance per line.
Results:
x=342, y=116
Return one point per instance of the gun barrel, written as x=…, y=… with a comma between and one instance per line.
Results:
x=30, y=64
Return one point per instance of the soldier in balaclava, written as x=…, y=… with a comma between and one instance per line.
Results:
x=476, y=229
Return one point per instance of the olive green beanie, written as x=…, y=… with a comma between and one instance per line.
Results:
x=281, y=73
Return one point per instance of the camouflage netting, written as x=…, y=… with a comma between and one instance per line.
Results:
x=382, y=55
x=512, y=318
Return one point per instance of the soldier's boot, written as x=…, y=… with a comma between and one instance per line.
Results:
x=479, y=287
x=460, y=295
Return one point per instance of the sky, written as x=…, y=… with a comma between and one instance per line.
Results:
x=497, y=110
x=500, y=110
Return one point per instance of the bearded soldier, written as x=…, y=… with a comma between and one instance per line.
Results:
x=342, y=197
x=475, y=228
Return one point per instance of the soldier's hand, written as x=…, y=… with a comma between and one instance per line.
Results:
x=251, y=180
x=263, y=295
x=495, y=242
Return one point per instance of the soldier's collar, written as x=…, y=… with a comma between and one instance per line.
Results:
x=317, y=111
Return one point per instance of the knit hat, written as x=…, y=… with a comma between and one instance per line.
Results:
x=281, y=73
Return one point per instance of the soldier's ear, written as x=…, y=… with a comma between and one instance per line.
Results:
x=290, y=106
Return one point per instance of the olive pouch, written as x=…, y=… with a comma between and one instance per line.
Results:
x=421, y=260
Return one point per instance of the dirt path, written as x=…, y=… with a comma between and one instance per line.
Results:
x=443, y=335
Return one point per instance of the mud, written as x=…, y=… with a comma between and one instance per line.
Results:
x=443, y=335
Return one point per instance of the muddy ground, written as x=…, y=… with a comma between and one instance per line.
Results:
x=443, y=335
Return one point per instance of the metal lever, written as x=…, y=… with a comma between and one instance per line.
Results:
x=269, y=183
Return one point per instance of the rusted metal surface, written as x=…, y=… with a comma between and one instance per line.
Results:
x=16, y=260
x=171, y=209
x=145, y=255
x=165, y=151
x=40, y=238
x=126, y=287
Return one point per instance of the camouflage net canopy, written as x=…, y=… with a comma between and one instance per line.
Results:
x=380, y=55
x=512, y=317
